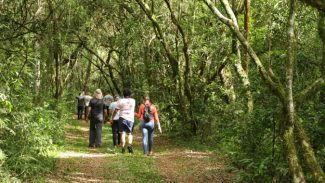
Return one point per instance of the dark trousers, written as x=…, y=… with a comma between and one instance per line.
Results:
x=80, y=111
x=86, y=112
x=95, y=134
x=116, y=134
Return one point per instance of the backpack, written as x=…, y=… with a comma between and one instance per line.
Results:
x=147, y=114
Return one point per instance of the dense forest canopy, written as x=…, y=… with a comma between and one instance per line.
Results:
x=246, y=77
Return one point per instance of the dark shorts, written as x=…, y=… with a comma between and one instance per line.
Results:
x=125, y=126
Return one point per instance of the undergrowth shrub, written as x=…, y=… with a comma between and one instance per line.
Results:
x=29, y=134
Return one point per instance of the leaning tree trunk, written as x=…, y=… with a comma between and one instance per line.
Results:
x=240, y=68
x=247, y=32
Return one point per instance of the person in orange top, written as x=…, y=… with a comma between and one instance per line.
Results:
x=149, y=117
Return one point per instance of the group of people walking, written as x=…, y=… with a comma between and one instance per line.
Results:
x=120, y=114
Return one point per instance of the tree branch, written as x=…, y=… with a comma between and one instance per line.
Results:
x=311, y=89
x=318, y=4
x=275, y=86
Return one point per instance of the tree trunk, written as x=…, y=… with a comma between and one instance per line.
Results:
x=37, y=69
x=321, y=30
x=295, y=168
x=226, y=79
x=308, y=153
x=37, y=80
x=87, y=77
x=240, y=67
x=247, y=32
x=285, y=96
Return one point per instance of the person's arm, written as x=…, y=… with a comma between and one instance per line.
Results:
x=110, y=115
x=105, y=115
x=116, y=109
x=140, y=111
x=156, y=119
x=88, y=112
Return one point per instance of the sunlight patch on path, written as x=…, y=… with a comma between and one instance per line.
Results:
x=72, y=154
x=196, y=154
x=80, y=128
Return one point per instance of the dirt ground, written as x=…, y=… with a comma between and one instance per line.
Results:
x=173, y=163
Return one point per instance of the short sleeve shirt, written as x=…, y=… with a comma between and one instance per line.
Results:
x=126, y=108
x=81, y=101
x=87, y=99
x=112, y=108
x=96, y=111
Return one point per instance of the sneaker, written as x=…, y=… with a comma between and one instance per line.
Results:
x=123, y=150
x=130, y=149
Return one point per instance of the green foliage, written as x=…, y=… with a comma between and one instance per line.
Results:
x=33, y=137
x=125, y=50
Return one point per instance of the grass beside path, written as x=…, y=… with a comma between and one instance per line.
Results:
x=170, y=163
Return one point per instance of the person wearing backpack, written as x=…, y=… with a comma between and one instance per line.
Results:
x=149, y=117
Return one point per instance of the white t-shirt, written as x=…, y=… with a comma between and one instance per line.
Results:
x=87, y=99
x=112, y=108
x=126, y=108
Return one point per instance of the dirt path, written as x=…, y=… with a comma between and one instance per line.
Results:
x=170, y=163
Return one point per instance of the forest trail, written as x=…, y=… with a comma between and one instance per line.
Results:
x=170, y=163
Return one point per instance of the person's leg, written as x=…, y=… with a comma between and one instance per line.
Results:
x=144, y=131
x=99, y=134
x=92, y=132
x=118, y=135
x=115, y=132
x=130, y=139
x=79, y=111
x=86, y=112
x=151, y=127
x=129, y=125
x=122, y=133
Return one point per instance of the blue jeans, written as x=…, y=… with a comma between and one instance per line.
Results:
x=147, y=136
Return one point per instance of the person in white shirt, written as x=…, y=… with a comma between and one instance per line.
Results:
x=114, y=122
x=125, y=107
x=87, y=99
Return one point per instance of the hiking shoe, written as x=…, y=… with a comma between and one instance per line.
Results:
x=123, y=150
x=91, y=146
x=130, y=149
